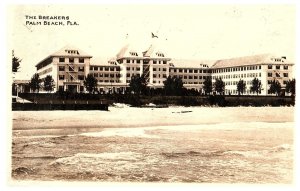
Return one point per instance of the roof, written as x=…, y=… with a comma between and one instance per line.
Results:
x=70, y=51
x=102, y=61
x=21, y=81
x=127, y=51
x=67, y=51
x=249, y=60
x=186, y=63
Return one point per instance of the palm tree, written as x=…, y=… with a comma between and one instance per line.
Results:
x=48, y=83
x=291, y=87
x=35, y=83
x=138, y=84
x=207, y=85
x=275, y=87
x=241, y=87
x=219, y=86
x=173, y=86
x=90, y=83
x=255, y=86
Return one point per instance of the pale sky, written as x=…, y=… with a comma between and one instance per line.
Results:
x=206, y=32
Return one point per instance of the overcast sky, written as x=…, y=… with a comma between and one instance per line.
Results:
x=205, y=32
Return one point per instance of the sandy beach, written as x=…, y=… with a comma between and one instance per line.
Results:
x=176, y=144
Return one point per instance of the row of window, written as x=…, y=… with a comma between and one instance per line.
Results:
x=278, y=67
x=284, y=81
x=104, y=68
x=230, y=76
x=180, y=70
x=277, y=74
x=96, y=75
x=71, y=68
x=63, y=77
x=71, y=60
x=234, y=69
x=138, y=61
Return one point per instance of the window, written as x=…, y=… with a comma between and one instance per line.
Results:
x=112, y=75
x=277, y=74
x=285, y=75
x=71, y=60
x=61, y=77
x=164, y=69
x=61, y=68
x=128, y=61
x=180, y=70
x=195, y=71
x=96, y=75
x=269, y=66
x=106, y=68
x=259, y=67
x=80, y=77
x=154, y=69
x=277, y=67
x=61, y=88
x=154, y=61
x=164, y=62
x=269, y=74
x=138, y=68
x=190, y=77
x=138, y=61
x=127, y=75
x=106, y=75
x=61, y=59
x=154, y=75
x=128, y=68
x=285, y=67
x=81, y=69
x=195, y=77
x=81, y=60
x=164, y=75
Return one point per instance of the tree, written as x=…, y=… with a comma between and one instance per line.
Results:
x=290, y=87
x=48, y=83
x=173, y=86
x=241, y=87
x=255, y=86
x=275, y=87
x=15, y=63
x=138, y=84
x=90, y=83
x=35, y=83
x=219, y=86
x=207, y=85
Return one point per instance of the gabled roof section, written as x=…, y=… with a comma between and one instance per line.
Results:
x=250, y=60
x=149, y=51
x=71, y=51
x=128, y=51
x=67, y=51
x=186, y=63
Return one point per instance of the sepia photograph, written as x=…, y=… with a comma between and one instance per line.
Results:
x=152, y=93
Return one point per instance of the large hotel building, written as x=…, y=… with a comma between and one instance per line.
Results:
x=69, y=67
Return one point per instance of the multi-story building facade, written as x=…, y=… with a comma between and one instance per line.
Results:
x=264, y=67
x=69, y=67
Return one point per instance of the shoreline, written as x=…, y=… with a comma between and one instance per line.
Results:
x=146, y=117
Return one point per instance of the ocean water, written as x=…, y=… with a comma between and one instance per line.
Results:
x=237, y=152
